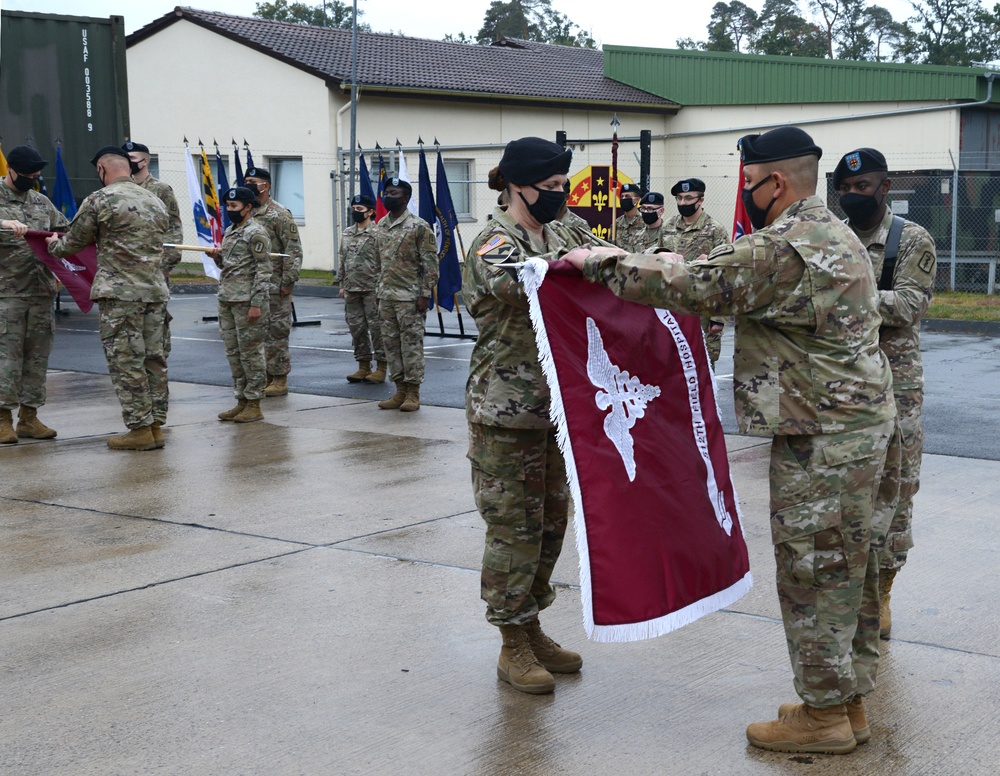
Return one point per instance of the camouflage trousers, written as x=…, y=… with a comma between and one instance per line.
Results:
x=713, y=340
x=132, y=336
x=166, y=334
x=244, y=343
x=519, y=481
x=279, y=360
x=823, y=491
x=902, y=480
x=403, y=338
x=26, y=331
x=361, y=312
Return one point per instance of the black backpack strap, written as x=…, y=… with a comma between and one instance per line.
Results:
x=891, y=252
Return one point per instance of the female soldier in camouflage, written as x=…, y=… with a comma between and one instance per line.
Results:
x=518, y=474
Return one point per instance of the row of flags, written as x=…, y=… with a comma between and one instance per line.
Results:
x=435, y=206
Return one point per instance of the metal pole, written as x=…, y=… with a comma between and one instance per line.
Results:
x=354, y=94
x=645, y=159
x=954, y=216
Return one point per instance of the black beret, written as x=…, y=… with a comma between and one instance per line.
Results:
x=532, y=159
x=239, y=194
x=258, y=172
x=361, y=199
x=653, y=198
x=859, y=162
x=25, y=160
x=686, y=185
x=778, y=144
x=109, y=150
x=399, y=183
x=631, y=188
x=130, y=146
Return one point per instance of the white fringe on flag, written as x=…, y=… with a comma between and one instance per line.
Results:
x=532, y=274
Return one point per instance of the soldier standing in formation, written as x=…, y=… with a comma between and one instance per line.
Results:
x=629, y=224
x=27, y=292
x=128, y=224
x=809, y=372
x=905, y=286
x=406, y=250
x=359, y=271
x=245, y=260
x=518, y=473
x=651, y=211
x=693, y=233
x=284, y=234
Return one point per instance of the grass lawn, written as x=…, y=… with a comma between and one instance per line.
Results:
x=965, y=307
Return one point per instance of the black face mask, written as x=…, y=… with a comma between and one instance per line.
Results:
x=359, y=217
x=628, y=204
x=546, y=208
x=392, y=203
x=133, y=167
x=236, y=216
x=650, y=218
x=23, y=183
x=252, y=187
x=688, y=210
x=860, y=208
x=757, y=215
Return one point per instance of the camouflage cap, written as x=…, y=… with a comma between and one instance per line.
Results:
x=859, y=162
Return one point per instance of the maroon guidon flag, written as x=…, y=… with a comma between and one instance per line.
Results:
x=76, y=272
x=657, y=520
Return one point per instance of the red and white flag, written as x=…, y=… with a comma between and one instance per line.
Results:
x=657, y=520
x=75, y=272
x=741, y=220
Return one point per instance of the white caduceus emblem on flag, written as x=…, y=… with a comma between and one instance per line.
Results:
x=625, y=394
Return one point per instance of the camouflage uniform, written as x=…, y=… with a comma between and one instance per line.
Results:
x=128, y=224
x=359, y=271
x=518, y=474
x=284, y=234
x=406, y=251
x=692, y=241
x=649, y=237
x=245, y=262
x=901, y=309
x=27, y=291
x=808, y=370
x=173, y=235
x=572, y=220
x=628, y=227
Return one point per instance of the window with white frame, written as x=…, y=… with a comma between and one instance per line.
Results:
x=459, y=172
x=287, y=185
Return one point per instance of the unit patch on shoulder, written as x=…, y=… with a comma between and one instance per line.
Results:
x=258, y=246
x=722, y=250
x=495, y=242
x=926, y=262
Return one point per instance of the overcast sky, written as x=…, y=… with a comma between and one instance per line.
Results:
x=647, y=23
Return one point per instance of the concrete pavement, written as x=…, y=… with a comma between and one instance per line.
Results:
x=301, y=596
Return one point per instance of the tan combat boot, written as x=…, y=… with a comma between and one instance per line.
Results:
x=30, y=427
x=378, y=376
x=250, y=412
x=230, y=414
x=518, y=665
x=278, y=386
x=395, y=401
x=364, y=369
x=553, y=658
x=412, y=401
x=885, y=579
x=136, y=439
x=157, y=435
x=805, y=729
x=7, y=435
x=855, y=713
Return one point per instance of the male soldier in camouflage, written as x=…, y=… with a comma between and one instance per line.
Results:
x=27, y=291
x=359, y=271
x=651, y=212
x=127, y=223
x=284, y=234
x=629, y=225
x=406, y=251
x=808, y=370
x=693, y=233
x=245, y=260
x=905, y=290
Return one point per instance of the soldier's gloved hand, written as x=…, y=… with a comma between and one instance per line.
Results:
x=423, y=304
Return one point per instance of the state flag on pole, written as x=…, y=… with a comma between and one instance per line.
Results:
x=202, y=226
x=211, y=199
x=76, y=272
x=365, y=181
x=3, y=163
x=449, y=273
x=741, y=221
x=249, y=158
x=657, y=519
x=62, y=194
x=380, y=211
x=222, y=188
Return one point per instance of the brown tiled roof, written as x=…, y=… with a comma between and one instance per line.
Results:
x=513, y=69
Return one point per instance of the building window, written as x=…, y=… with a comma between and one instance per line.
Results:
x=459, y=172
x=287, y=185
x=154, y=166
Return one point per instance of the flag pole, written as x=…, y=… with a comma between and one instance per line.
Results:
x=614, y=177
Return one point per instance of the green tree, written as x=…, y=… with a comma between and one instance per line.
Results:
x=690, y=44
x=732, y=27
x=333, y=13
x=941, y=32
x=887, y=35
x=852, y=31
x=533, y=20
x=783, y=31
x=829, y=11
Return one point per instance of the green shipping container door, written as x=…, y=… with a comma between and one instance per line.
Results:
x=62, y=78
